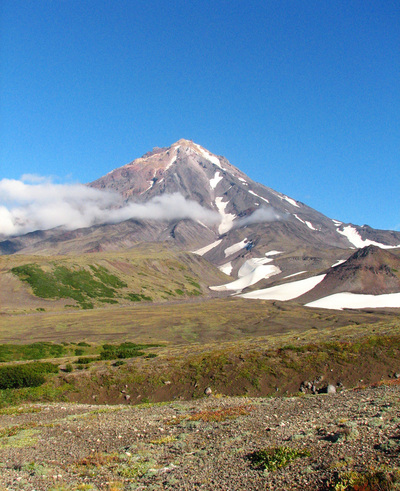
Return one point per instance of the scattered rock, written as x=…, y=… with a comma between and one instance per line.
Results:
x=328, y=389
x=208, y=391
x=331, y=389
x=167, y=382
x=127, y=397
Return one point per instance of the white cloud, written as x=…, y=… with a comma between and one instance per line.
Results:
x=38, y=204
x=261, y=215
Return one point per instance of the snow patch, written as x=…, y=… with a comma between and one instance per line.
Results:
x=254, y=194
x=171, y=162
x=235, y=247
x=243, y=181
x=286, y=198
x=212, y=158
x=273, y=253
x=227, y=218
x=203, y=250
x=251, y=272
x=288, y=291
x=152, y=182
x=355, y=238
x=203, y=224
x=291, y=201
x=337, y=223
x=215, y=180
x=309, y=224
x=226, y=268
x=340, y=261
x=347, y=300
x=298, y=218
x=251, y=264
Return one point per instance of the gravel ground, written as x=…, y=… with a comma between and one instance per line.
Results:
x=204, y=444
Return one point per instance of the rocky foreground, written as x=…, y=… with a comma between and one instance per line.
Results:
x=331, y=441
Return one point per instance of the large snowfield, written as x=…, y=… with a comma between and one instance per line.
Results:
x=287, y=291
x=345, y=300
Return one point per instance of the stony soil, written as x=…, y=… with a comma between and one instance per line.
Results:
x=204, y=444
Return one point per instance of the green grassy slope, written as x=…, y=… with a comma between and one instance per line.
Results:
x=151, y=274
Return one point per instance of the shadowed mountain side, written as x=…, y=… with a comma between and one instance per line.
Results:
x=183, y=234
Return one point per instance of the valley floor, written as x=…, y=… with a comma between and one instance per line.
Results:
x=214, y=443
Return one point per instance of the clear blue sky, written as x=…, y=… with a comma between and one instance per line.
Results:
x=302, y=95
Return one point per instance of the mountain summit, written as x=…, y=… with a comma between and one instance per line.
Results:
x=210, y=180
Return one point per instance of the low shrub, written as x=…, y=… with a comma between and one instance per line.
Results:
x=123, y=350
x=26, y=375
x=85, y=360
x=380, y=480
x=271, y=459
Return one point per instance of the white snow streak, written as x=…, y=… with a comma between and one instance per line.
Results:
x=254, y=194
x=291, y=201
x=209, y=156
x=294, y=274
x=355, y=238
x=227, y=218
x=347, y=300
x=215, y=180
x=235, y=247
x=288, y=291
x=171, y=162
x=309, y=224
x=151, y=183
x=203, y=250
x=273, y=253
x=173, y=158
x=340, y=261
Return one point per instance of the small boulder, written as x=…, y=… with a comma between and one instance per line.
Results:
x=208, y=391
x=331, y=389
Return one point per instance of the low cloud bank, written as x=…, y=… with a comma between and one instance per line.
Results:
x=261, y=215
x=36, y=203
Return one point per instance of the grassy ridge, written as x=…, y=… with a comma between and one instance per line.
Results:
x=78, y=284
x=34, y=351
x=96, y=280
